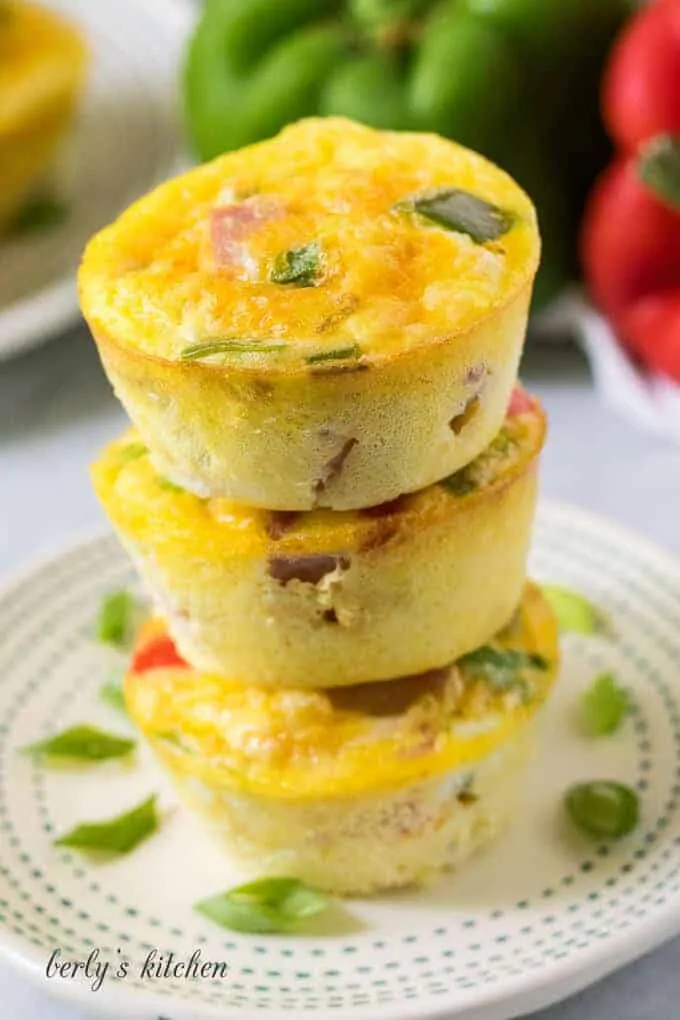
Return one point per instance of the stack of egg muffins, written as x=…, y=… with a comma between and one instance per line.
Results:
x=329, y=493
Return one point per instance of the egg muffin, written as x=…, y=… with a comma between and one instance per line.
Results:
x=331, y=318
x=42, y=64
x=328, y=598
x=359, y=788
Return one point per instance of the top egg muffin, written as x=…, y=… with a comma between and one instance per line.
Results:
x=333, y=317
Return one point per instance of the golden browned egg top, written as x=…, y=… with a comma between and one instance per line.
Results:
x=331, y=241
x=328, y=742
x=148, y=506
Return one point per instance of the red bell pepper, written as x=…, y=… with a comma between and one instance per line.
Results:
x=631, y=252
x=631, y=232
x=158, y=653
x=641, y=92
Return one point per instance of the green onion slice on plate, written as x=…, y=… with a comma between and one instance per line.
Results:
x=267, y=905
x=603, y=809
x=118, y=835
x=82, y=743
x=573, y=611
x=604, y=706
x=117, y=618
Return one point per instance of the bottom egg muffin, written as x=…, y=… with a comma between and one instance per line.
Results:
x=353, y=789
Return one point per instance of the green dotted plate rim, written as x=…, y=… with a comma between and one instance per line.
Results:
x=526, y=992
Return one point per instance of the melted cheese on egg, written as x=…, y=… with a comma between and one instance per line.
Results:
x=390, y=280
x=157, y=514
x=304, y=744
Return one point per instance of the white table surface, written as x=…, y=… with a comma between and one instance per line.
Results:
x=56, y=410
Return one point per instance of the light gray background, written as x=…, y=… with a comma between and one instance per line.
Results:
x=56, y=410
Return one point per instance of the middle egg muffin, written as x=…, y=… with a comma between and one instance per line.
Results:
x=323, y=598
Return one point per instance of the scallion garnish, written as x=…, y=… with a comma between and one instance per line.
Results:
x=116, y=620
x=603, y=809
x=119, y=835
x=463, y=212
x=113, y=694
x=167, y=485
x=604, y=706
x=195, y=352
x=299, y=267
x=339, y=354
x=133, y=451
x=502, y=667
x=460, y=483
x=573, y=611
x=267, y=905
x=82, y=743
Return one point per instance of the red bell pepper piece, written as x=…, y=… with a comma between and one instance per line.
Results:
x=158, y=653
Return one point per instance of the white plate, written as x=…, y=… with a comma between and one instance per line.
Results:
x=540, y=915
x=126, y=139
x=650, y=400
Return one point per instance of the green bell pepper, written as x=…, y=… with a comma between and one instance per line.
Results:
x=255, y=65
x=564, y=45
x=496, y=75
x=465, y=82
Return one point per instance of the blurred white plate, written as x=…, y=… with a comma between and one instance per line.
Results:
x=648, y=399
x=539, y=915
x=127, y=138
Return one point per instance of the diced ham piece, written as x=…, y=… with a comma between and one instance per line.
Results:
x=393, y=506
x=279, y=522
x=308, y=569
x=392, y=698
x=231, y=225
x=520, y=402
x=333, y=467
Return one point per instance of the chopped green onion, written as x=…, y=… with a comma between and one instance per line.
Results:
x=116, y=619
x=503, y=443
x=113, y=694
x=169, y=737
x=603, y=809
x=268, y=905
x=604, y=706
x=38, y=215
x=341, y=353
x=206, y=350
x=119, y=835
x=298, y=266
x=83, y=743
x=465, y=213
x=501, y=666
x=168, y=486
x=133, y=451
x=460, y=483
x=573, y=611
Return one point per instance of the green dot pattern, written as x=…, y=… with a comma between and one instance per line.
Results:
x=50, y=898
